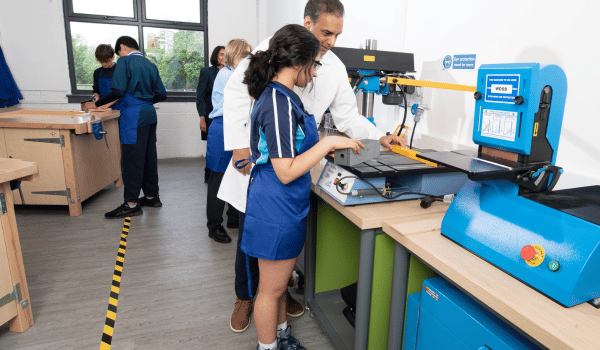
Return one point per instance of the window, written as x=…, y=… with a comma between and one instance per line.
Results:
x=172, y=34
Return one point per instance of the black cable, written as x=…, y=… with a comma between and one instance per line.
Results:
x=405, y=110
x=338, y=184
x=413, y=134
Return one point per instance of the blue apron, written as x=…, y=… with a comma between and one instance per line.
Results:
x=130, y=107
x=104, y=87
x=217, y=159
x=275, y=221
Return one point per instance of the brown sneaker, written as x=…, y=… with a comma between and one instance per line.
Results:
x=240, y=319
x=293, y=308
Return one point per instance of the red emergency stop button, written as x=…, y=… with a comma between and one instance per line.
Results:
x=528, y=252
x=533, y=254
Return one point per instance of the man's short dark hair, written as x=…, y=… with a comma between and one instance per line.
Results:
x=104, y=53
x=314, y=8
x=214, y=58
x=127, y=41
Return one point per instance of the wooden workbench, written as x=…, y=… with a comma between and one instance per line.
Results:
x=13, y=284
x=72, y=164
x=534, y=314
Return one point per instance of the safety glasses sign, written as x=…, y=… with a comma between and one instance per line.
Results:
x=459, y=62
x=502, y=88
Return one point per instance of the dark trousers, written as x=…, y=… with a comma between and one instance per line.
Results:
x=215, y=206
x=204, y=137
x=206, y=174
x=246, y=270
x=138, y=165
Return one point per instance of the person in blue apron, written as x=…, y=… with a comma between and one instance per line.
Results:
x=137, y=83
x=284, y=146
x=204, y=90
x=105, y=55
x=217, y=158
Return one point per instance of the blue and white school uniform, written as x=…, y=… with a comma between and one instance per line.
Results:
x=217, y=158
x=275, y=222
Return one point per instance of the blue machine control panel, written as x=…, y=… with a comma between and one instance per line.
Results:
x=508, y=100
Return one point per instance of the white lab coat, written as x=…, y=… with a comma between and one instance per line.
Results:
x=330, y=89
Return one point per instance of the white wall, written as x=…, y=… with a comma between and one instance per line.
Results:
x=548, y=32
x=282, y=12
x=33, y=41
x=34, y=44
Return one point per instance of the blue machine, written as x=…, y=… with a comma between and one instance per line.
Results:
x=350, y=185
x=507, y=213
x=391, y=176
x=443, y=317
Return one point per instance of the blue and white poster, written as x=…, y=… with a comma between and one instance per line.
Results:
x=464, y=62
x=459, y=62
x=502, y=88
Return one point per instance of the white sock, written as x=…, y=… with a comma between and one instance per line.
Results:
x=132, y=206
x=281, y=328
x=271, y=346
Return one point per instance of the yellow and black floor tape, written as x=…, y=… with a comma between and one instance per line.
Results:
x=111, y=314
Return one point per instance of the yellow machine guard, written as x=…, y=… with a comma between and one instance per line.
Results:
x=412, y=154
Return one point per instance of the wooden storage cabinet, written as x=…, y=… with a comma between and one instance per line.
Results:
x=72, y=164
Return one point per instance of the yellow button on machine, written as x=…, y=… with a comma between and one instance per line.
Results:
x=533, y=254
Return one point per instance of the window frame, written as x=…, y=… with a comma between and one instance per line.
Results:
x=139, y=19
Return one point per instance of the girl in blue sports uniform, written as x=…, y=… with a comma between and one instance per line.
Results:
x=285, y=145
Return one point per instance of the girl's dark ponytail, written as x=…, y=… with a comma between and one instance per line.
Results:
x=291, y=46
x=260, y=71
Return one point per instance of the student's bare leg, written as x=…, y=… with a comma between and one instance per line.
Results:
x=268, y=310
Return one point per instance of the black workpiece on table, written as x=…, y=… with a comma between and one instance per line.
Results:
x=390, y=164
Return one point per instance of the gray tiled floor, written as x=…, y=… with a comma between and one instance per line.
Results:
x=177, y=284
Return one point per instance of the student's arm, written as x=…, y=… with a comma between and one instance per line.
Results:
x=200, y=104
x=279, y=126
x=118, y=85
x=160, y=93
x=112, y=96
x=96, y=85
x=200, y=92
x=289, y=169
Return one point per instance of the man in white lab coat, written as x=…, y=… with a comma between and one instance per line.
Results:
x=330, y=89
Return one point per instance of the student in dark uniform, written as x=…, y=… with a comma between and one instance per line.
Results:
x=105, y=55
x=206, y=80
x=284, y=146
x=137, y=84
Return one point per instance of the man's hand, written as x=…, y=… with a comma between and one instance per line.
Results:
x=89, y=105
x=96, y=97
x=203, y=127
x=242, y=154
x=389, y=140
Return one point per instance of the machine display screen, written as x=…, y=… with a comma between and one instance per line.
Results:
x=502, y=88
